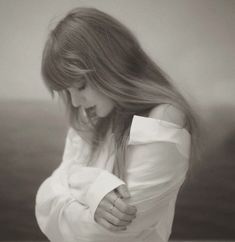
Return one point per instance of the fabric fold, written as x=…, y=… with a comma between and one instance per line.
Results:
x=146, y=130
x=104, y=183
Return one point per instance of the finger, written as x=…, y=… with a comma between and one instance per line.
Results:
x=112, y=197
x=125, y=207
x=114, y=220
x=106, y=205
x=123, y=216
x=120, y=204
x=123, y=191
x=110, y=226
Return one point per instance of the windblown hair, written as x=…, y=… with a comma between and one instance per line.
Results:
x=89, y=45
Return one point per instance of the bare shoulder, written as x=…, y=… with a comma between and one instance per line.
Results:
x=168, y=113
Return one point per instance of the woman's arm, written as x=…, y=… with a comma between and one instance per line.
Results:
x=61, y=216
x=157, y=163
x=154, y=175
x=67, y=200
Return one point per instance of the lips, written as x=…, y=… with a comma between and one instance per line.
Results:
x=91, y=111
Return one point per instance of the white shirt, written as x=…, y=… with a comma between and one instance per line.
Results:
x=157, y=163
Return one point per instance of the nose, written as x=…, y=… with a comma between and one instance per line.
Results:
x=76, y=98
x=75, y=102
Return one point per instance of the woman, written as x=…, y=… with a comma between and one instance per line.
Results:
x=131, y=139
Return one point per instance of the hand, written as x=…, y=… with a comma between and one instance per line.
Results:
x=113, y=213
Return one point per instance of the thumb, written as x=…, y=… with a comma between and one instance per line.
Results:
x=123, y=191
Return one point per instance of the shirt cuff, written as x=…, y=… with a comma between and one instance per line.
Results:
x=104, y=183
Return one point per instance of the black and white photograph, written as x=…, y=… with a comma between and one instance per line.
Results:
x=117, y=120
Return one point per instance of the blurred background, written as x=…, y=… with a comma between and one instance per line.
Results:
x=192, y=40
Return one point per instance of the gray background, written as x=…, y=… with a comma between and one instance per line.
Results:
x=192, y=40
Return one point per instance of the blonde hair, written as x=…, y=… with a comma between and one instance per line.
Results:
x=89, y=45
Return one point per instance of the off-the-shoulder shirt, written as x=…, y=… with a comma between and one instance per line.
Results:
x=156, y=167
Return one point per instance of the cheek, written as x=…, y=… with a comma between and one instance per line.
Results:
x=101, y=101
x=108, y=106
x=104, y=105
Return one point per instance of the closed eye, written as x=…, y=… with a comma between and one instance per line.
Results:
x=82, y=87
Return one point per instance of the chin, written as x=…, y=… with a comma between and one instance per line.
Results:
x=102, y=114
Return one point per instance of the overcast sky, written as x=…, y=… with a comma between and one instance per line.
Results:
x=192, y=40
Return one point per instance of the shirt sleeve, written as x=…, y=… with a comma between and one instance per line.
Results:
x=157, y=163
x=66, y=201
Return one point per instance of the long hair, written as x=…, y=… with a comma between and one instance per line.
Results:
x=89, y=45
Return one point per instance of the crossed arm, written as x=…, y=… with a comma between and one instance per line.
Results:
x=76, y=200
x=67, y=201
x=74, y=208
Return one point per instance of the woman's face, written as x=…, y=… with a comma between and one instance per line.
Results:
x=90, y=99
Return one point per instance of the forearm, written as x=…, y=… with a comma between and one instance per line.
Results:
x=154, y=176
x=63, y=212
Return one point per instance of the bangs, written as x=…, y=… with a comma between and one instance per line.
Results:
x=60, y=68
